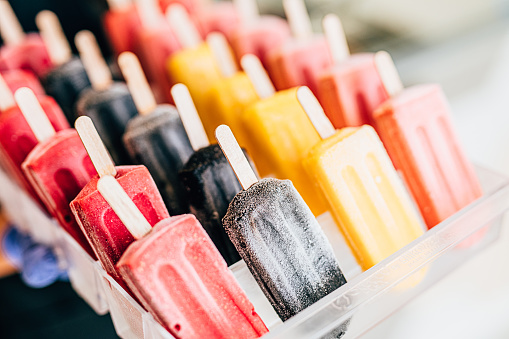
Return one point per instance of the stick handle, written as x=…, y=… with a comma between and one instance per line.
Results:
x=248, y=11
x=258, y=76
x=388, y=73
x=298, y=18
x=236, y=157
x=137, y=83
x=189, y=116
x=10, y=29
x=222, y=54
x=185, y=30
x=34, y=114
x=53, y=36
x=315, y=112
x=95, y=147
x=97, y=70
x=124, y=207
x=6, y=97
x=149, y=13
x=118, y=5
x=336, y=38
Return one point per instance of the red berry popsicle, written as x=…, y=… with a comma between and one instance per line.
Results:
x=107, y=235
x=121, y=23
x=21, y=51
x=16, y=137
x=58, y=167
x=179, y=276
x=351, y=89
x=17, y=78
x=415, y=126
x=300, y=60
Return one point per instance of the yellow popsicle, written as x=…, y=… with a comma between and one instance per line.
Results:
x=365, y=194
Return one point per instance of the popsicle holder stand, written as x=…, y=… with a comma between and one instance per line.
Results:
x=367, y=298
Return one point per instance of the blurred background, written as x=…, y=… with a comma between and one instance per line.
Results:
x=462, y=45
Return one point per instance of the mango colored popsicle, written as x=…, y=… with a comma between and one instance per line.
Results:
x=58, y=167
x=299, y=61
x=179, y=276
x=280, y=134
x=257, y=34
x=415, y=126
x=195, y=65
x=365, y=194
x=351, y=89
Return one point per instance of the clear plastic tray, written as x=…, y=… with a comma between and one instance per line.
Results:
x=367, y=298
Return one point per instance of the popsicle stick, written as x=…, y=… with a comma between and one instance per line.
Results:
x=258, y=76
x=248, y=11
x=184, y=28
x=315, y=112
x=236, y=157
x=336, y=38
x=10, y=29
x=298, y=18
x=123, y=206
x=388, y=73
x=95, y=148
x=34, y=114
x=6, y=97
x=53, y=36
x=97, y=70
x=150, y=15
x=222, y=54
x=137, y=83
x=118, y=5
x=189, y=116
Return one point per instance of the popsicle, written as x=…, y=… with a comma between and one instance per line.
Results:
x=415, y=126
x=299, y=61
x=58, y=167
x=106, y=234
x=191, y=6
x=278, y=237
x=68, y=78
x=121, y=23
x=367, y=198
x=179, y=276
x=156, y=137
x=207, y=178
x=17, y=78
x=20, y=50
x=194, y=66
x=17, y=138
x=257, y=34
x=279, y=134
x=351, y=89
x=109, y=104
x=156, y=43
x=216, y=16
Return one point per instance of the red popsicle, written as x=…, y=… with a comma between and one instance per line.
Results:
x=105, y=232
x=416, y=128
x=58, y=167
x=219, y=16
x=17, y=78
x=21, y=51
x=179, y=276
x=351, y=89
x=121, y=23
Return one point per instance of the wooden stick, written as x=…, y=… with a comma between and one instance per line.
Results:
x=236, y=157
x=248, y=11
x=137, y=83
x=123, y=206
x=6, y=97
x=185, y=30
x=189, y=116
x=336, y=38
x=222, y=54
x=150, y=15
x=118, y=5
x=315, y=112
x=34, y=114
x=97, y=70
x=95, y=148
x=10, y=29
x=298, y=18
x=388, y=73
x=54, y=38
x=258, y=76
